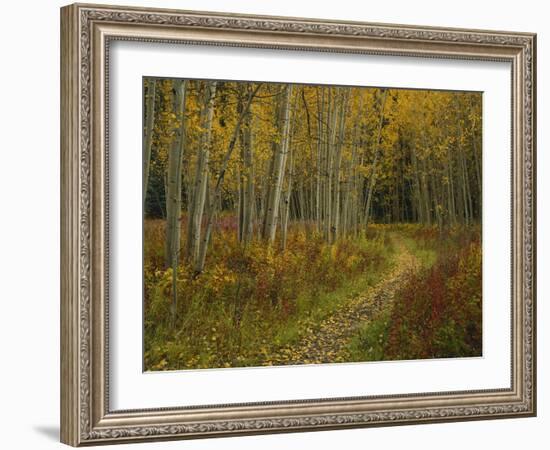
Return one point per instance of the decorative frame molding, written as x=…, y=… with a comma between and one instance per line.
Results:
x=86, y=31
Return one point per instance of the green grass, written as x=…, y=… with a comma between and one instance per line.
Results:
x=368, y=344
x=426, y=256
x=315, y=310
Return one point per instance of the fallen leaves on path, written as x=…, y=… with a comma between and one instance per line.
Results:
x=328, y=342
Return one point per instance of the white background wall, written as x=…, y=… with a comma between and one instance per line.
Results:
x=29, y=225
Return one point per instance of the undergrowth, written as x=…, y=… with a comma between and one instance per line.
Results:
x=437, y=311
x=251, y=299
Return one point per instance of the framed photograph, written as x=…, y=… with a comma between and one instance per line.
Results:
x=274, y=224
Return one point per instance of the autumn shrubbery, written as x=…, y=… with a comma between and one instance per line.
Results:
x=250, y=298
x=437, y=312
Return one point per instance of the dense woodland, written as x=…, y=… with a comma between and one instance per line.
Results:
x=235, y=171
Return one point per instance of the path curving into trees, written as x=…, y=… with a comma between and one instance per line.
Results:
x=329, y=341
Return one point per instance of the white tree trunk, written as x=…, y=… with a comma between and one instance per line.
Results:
x=173, y=194
x=201, y=175
x=213, y=202
x=249, y=204
x=372, y=179
x=148, y=140
x=279, y=159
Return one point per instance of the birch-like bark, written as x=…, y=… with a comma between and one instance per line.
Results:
x=372, y=178
x=279, y=159
x=270, y=179
x=173, y=194
x=465, y=191
x=173, y=180
x=214, y=201
x=201, y=175
x=330, y=145
x=450, y=188
x=241, y=174
x=351, y=194
x=287, y=192
x=246, y=174
x=425, y=193
x=339, y=144
x=320, y=112
x=148, y=138
x=351, y=185
x=478, y=173
x=249, y=205
x=285, y=205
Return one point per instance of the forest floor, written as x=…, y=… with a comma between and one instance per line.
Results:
x=329, y=341
x=399, y=291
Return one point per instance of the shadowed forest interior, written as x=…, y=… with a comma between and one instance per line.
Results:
x=302, y=224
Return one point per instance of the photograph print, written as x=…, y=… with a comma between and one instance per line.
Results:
x=291, y=224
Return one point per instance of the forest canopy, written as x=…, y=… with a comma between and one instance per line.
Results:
x=350, y=155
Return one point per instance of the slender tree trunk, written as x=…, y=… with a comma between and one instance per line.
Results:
x=213, y=203
x=240, y=203
x=417, y=187
x=279, y=160
x=288, y=187
x=350, y=197
x=478, y=174
x=148, y=139
x=173, y=194
x=285, y=205
x=435, y=196
x=249, y=182
x=337, y=164
x=201, y=175
x=425, y=193
x=372, y=178
x=320, y=110
x=331, y=139
x=450, y=188
x=241, y=175
x=275, y=147
x=465, y=195
x=173, y=181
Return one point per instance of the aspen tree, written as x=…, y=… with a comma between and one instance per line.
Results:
x=279, y=159
x=202, y=171
x=173, y=194
x=212, y=204
x=148, y=139
x=378, y=151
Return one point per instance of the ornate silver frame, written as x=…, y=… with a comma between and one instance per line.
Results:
x=86, y=31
